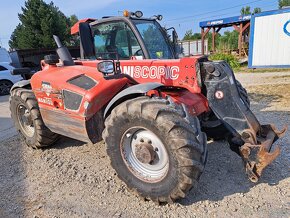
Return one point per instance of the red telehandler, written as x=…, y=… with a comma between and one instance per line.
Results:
x=153, y=110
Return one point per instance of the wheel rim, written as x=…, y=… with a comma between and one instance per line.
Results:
x=5, y=87
x=144, y=154
x=25, y=120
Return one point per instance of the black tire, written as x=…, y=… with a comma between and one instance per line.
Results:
x=219, y=131
x=5, y=86
x=34, y=131
x=180, y=134
x=244, y=94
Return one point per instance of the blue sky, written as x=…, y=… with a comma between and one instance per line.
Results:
x=182, y=14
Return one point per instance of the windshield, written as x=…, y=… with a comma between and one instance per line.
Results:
x=155, y=41
x=115, y=39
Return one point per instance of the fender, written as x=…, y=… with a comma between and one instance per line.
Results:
x=130, y=92
x=20, y=84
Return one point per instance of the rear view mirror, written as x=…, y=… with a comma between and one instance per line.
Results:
x=106, y=67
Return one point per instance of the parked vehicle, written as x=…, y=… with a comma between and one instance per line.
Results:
x=153, y=110
x=6, y=78
x=4, y=56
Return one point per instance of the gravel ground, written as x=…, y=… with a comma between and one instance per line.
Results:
x=73, y=179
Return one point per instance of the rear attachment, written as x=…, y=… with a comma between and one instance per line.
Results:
x=256, y=150
x=254, y=140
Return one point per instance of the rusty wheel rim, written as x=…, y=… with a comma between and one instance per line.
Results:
x=150, y=170
x=25, y=120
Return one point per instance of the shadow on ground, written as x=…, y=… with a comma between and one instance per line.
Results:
x=65, y=142
x=224, y=174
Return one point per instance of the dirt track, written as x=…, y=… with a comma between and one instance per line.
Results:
x=73, y=179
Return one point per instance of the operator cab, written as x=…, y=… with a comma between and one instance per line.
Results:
x=127, y=37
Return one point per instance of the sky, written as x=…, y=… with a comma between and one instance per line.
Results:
x=181, y=14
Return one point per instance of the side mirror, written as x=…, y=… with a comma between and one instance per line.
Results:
x=174, y=36
x=106, y=67
x=175, y=43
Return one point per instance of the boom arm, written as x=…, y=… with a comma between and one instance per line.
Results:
x=225, y=101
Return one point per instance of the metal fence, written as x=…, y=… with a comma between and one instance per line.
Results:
x=194, y=47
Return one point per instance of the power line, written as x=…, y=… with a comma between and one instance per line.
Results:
x=190, y=20
x=196, y=15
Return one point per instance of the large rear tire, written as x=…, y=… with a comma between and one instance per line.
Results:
x=155, y=148
x=27, y=119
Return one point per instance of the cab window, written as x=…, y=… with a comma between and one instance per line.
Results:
x=155, y=41
x=115, y=40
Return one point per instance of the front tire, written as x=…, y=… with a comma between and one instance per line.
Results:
x=28, y=121
x=155, y=148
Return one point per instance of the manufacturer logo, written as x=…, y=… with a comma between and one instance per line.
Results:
x=46, y=87
x=45, y=100
x=216, y=22
x=286, y=31
x=152, y=72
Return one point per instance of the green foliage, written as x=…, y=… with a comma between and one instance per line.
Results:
x=257, y=10
x=217, y=40
x=283, y=3
x=190, y=36
x=38, y=22
x=247, y=10
x=230, y=59
x=228, y=41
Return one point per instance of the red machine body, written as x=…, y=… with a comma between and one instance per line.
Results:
x=50, y=83
x=151, y=108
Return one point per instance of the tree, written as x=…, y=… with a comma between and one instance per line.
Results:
x=74, y=41
x=73, y=19
x=246, y=10
x=38, y=22
x=190, y=36
x=257, y=10
x=283, y=3
x=228, y=41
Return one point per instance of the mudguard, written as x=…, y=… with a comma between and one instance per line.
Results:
x=20, y=84
x=127, y=93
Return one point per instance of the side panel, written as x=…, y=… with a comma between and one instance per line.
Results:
x=20, y=84
x=63, y=123
x=270, y=39
x=175, y=72
x=69, y=104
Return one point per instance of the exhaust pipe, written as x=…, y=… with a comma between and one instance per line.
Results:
x=63, y=52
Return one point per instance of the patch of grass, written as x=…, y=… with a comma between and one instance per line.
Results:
x=274, y=97
x=230, y=59
x=266, y=70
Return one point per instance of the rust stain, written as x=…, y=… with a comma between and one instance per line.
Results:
x=256, y=152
